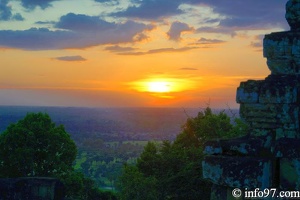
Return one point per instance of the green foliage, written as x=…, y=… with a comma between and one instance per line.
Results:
x=34, y=146
x=176, y=167
x=134, y=185
x=207, y=125
x=149, y=159
x=104, y=163
x=83, y=188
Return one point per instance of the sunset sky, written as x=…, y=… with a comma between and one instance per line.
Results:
x=107, y=53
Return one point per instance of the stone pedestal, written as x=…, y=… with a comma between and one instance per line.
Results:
x=269, y=156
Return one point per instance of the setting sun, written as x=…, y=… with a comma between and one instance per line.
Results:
x=159, y=86
x=162, y=87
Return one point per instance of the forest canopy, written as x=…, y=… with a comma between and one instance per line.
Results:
x=173, y=170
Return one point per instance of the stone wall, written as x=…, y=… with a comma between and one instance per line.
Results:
x=269, y=155
x=27, y=188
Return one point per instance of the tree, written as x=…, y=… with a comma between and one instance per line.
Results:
x=134, y=185
x=83, y=188
x=207, y=125
x=35, y=146
x=148, y=162
x=176, y=166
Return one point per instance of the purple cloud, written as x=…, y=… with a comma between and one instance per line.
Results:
x=239, y=15
x=177, y=28
x=45, y=22
x=161, y=50
x=258, y=42
x=188, y=69
x=151, y=9
x=79, y=22
x=79, y=31
x=117, y=48
x=110, y=2
x=218, y=29
x=102, y=1
x=248, y=14
x=71, y=58
x=6, y=12
x=209, y=41
x=31, y=4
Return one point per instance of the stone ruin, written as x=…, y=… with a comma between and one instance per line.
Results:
x=269, y=155
x=31, y=188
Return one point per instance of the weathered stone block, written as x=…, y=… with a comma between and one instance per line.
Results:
x=240, y=172
x=287, y=148
x=250, y=146
x=292, y=14
x=248, y=92
x=283, y=52
x=271, y=116
x=282, y=66
x=258, y=132
x=278, y=93
x=284, y=133
x=212, y=148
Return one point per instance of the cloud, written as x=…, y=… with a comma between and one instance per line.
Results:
x=218, y=29
x=81, y=31
x=79, y=22
x=237, y=13
x=31, y=4
x=258, y=42
x=141, y=37
x=151, y=9
x=250, y=13
x=6, y=12
x=76, y=31
x=176, y=29
x=45, y=22
x=102, y=1
x=210, y=41
x=188, y=68
x=35, y=39
x=70, y=58
x=162, y=50
x=207, y=43
x=234, y=15
x=18, y=17
x=109, y=2
x=118, y=49
x=246, y=15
